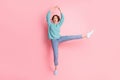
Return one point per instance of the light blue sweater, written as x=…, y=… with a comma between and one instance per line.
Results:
x=54, y=29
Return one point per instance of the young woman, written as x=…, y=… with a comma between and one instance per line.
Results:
x=54, y=25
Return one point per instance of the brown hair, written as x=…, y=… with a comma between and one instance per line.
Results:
x=57, y=17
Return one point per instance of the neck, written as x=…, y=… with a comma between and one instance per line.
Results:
x=55, y=22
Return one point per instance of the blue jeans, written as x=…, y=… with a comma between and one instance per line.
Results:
x=55, y=43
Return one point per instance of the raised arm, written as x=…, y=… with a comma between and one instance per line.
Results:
x=49, y=14
x=48, y=17
x=62, y=17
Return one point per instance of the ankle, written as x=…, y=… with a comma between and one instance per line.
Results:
x=84, y=36
x=55, y=67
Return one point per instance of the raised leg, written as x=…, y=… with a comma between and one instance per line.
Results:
x=71, y=37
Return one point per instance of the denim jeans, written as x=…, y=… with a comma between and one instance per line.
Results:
x=55, y=43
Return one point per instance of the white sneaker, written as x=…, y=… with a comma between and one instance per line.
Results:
x=90, y=33
x=55, y=72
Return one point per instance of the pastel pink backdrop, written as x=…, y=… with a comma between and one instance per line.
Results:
x=26, y=53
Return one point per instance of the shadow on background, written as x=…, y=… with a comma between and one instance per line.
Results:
x=47, y=42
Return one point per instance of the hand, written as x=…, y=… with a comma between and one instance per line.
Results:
x=55, y=8
x=58, y=8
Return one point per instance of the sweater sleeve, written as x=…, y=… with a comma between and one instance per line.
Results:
x=48, y=18
x=61, y=20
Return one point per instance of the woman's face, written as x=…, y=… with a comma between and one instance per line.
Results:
x=55, y=19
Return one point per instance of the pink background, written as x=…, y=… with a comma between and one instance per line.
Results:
x=26, y=53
